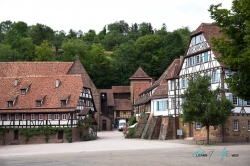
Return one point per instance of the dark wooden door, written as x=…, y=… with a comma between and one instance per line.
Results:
x=16, y=134
x=104, y=124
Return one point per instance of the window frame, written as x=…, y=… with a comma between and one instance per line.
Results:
x=173, y=103
x=23, y=116
x=49, y=116
x=197, y=126
x=16, y=116
x=1, y=117
x=234, y=100
x=32, y=117
x=8, y=117
x=235, y=125
x=56, y=116
x=40, y=117
x=64, y=117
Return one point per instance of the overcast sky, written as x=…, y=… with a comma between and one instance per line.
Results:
x=95, y=14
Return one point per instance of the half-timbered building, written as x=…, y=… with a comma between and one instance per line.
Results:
x=201, y=59
x=38, y=94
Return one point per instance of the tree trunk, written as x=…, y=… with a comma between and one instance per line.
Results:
x=207, y=127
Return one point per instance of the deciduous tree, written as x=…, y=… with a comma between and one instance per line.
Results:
x=234, y=44
x=203, y=105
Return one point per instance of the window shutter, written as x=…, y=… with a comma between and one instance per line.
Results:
x=205, y=56
x=240, y=101
x=231, y=97
x=245, y=103
x=186, y=82
x=157, y=105
x=169, y=85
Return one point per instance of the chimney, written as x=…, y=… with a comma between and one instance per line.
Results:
x=16, y=82
x=57, y=83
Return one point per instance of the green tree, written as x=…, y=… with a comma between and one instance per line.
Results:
x=40, y=32
x=44, y=52
x=6, y=53
x=149, y=48
x=234, y=44
x=98, y=66
x=5, y=26
x=72, y=48
x=203, y=105
x=60, y=36
x=112, y=39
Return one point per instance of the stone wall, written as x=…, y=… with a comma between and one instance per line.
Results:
x=166, y=131
x=8, y=138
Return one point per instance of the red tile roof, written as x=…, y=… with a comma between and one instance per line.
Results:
x=140, y=74
x=110, y=99
x=121, y=89
x=40, y=86
x=173, y=69
x=209, y=31
x=22, y=69
x=160, y=92
x=122, y=105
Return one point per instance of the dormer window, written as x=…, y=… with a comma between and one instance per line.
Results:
x=38, y=103
x=63, y=103
x=64, y=100
x=24, y=89
x=11, y=101
x=39, y=100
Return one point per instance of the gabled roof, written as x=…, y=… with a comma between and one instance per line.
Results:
x=110, y=99
x=85, y=111
x=208, y=30
x=173, y=69
x=139, y=87
x=142, y=100
x=22, y=69
x=41, y=86
x=140, y=74
x=122, y=105
x=121, y=89
x=161, y=92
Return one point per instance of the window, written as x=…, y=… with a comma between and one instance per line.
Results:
x=10, y=103
x=215, y=77
x=32, y=117
x=16, y=116
x=173, y=103
x=38, y=103
x=236, y=125
x=161, y=105
x=49, y=116
x=117, y=113
x=198, y=39
x=198, y=59
x=64, y=116
x=191, y=61
x=216, y=127
x=63, y=103
x=197, y=125
x=8, y=116
x=248, y=102
x=1, y=117
x=183, y=82
x=23, y=116
x=56, y=117
x=249, y=125
x=40, y=116
x=235, y=100
x=205, y=56
x=23, y=91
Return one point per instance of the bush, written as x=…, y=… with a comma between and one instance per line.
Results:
x=132, y=121
x=131, y=132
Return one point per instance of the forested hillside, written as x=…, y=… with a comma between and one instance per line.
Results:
x=110, y=57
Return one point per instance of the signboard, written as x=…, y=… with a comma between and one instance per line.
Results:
x=179, y=132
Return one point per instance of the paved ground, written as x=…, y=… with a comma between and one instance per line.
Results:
x=112, y=149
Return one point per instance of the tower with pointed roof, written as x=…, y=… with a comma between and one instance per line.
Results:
x=138, y=83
